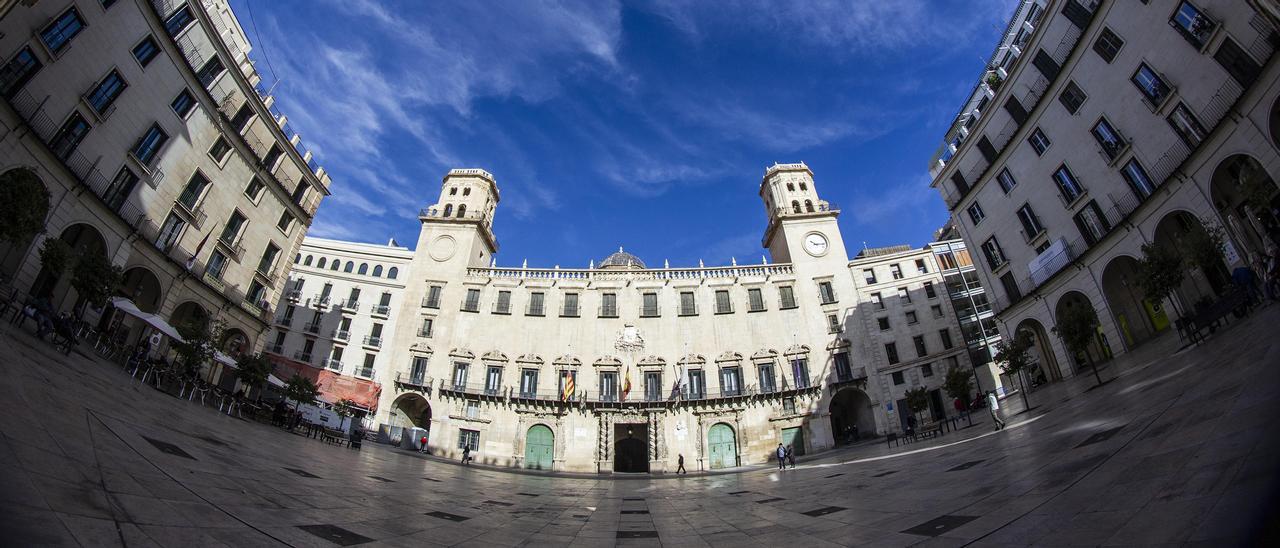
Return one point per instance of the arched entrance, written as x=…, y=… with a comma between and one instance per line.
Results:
x=851, y=416
x=81, y=240
x=1099, y=349
x=24, y=206
x=1199, y=285
x=234, y=343
x=1137, y=319
x=631, y=448
x=1044, y=366
x=722, y=446
x=411, y=411
x=1244, y=195
x=189, y=313
x=539, y=448
x=142, y=287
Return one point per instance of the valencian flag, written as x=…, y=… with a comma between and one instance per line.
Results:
x=192, y=261
x=567, y=393
x=626, y=384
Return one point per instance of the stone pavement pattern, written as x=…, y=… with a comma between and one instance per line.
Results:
x=1177, y=449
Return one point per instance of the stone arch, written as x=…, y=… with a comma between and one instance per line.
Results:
x=1098, y=349
x=321, y=262
x=722, y=446
x=189, y=311
x=411, y=411
x=140, y=285
x=851, y=415
x=364, y=269
x=83, y=239
x=808, y=206
x=23, y=189
x=539, y=447
x=448, y=210
x=377, y=271
x=393, y=272
x=337, y=263
x=795, y=206
x=1137, y=319
x=307, y=260
x=1045, y=361
x=462, y=210
x=234, y=342
x=351, y=265
x=1244, y=195
x=1198, y=285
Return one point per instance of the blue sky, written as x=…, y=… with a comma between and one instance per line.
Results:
x=641, y=124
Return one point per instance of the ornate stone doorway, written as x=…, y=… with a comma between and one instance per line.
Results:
x=631, y=447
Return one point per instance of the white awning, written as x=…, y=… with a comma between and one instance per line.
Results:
x=224, y=359
x=275, y=381
x=125, y=305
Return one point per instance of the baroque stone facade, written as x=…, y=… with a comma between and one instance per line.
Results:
x=621, y=367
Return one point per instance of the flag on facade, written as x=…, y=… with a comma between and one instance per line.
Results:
x=567, y=393
x=626, y=383
x=192, y=261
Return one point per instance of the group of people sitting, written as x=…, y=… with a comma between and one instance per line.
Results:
x=62, y=326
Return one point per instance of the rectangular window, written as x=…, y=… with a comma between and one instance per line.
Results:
x=1187, y=126
x=898, y=378
x=929, y=291
x=273, y=157
x=649, y=305
x=995, y=255
x=869, y=275
x=106, y=92
x=697, y=385
x=183, y=104
x=69, y=136
x=425, y=330
x=653, y=385
x=231, y=232
x=242, y=117
x=1108, y=45
x=896, y=271
x=1150, y=84
x=825, y=293
x=1091, y=222
x=688, y=306
x=723, y=304
x=503, y=304
x=608, y=305
x=1006, y=180
x=883, y=323
x=921, y=351
x=1192, y=24
x=1038, y=141
x=147, y=149
x=755, y=299
x=609, y=386
x=366, y=369
x=1139, y=182
x=768, y=381
x=843, y=371
x=904, y=296
x=926, y=370
x=220, y=149
x=18, y=71
x=891, y=352
x=1108, y=138
x=1031, y=226
x=210, y=72
x=1237, y=63
x=217, y=265
x=1069, y=187
x=1010, y=287
x=285, y=224
x=786, y=297
x=459, y=375
x=937, y=310
x=268, y=260
x=58, y=34
x=468, y=439
x=433, y=297
x=730, y=381
x=833, y=323
x=146, y=50
x=921, y=268
x=1072, y=97
x=493, y=380
x=120, y=189
x=800, y=371
x=911, y=317
x=179, y=20
x=877, y=301
x=976, y=215
x=570, y=305
x=472, y=302
x=536, y=300
x=418, y=370
x=945, y=335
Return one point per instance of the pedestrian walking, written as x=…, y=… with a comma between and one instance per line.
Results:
x=994, y=405
x=422, y=448
x=466, y=454
x=782, y=456
x=680, y=469
x=791, y=456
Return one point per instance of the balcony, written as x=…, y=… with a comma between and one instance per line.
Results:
x=340, y=335
x=234, y=248
x=650, y=311
x=372, y=342
x=319, y=301
x=424, y=333
x=428, y=302
x=194, y=213
x=382, y=310
x=276, y=349
x=333, y=364
x=302, y=356
x=312, y=327
x=416, y=380
x=286, y=321
x=609, y=311
x=569, y=312
x=293, y=295
x=349, y=305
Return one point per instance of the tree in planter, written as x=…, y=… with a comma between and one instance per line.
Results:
x=24, y=203
x=196, y=349
x=301, y=390
x=1014, y=356
x=94, y=279
x=253, y=371
x=1078, y=325
x=958, y=384
x=346, y=407
x=1160, y=272
x=917, y=400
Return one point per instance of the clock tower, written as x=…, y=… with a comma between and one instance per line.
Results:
x=802, y=227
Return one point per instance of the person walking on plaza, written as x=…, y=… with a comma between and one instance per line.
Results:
x=791, y=456
x=782, y=456
x=994, y=405
x=466, y=454
x=423, y=447
x=680, y=469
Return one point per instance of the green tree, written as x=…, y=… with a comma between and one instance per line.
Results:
x=253, y=371
x=958, y=384
x=95, y=278
x=301, y=390
x=1160, y=271
x=1204, y=248
x=1078, y=326
x=196, y=349
x=55, y=255
x=24, y=203
x=917, y=400
x=1013, y=357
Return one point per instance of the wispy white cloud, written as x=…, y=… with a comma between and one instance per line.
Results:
x=903, y=202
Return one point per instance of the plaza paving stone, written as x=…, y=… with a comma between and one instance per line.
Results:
x=1179, y=446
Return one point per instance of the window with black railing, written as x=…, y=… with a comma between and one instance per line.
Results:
x=800, y=371
x=1108, y=138
x=106, y=92
x=432, y=300
x=1139, y=181
x=844, y=373
x=69, y=136
x=994, y=253
x=730, y=381
x=1069, y=188
x=20, y=69
x=1193, y=24
x=1153, y=87
x=58, y=33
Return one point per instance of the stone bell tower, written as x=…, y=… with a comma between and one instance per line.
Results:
x=802, y=226
x=458, y=228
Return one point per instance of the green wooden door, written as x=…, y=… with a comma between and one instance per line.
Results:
x=539, y=446
x=724, y=448
x=795, y=438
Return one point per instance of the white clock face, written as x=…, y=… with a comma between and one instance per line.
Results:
x=815, y=244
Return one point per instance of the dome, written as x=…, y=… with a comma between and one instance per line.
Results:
x=622, y=260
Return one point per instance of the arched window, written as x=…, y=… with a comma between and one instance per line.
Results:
x=448, y=210
x=453, y=191
x=377, y=271
x=804, y=186
x=336, y=264
x=791, y=187
x=795, y=206
x=466, y=191
x=321, y=262
x=364, y=269
x=306, y=261
x=297, y=259
x=393, y=272
x=808, y=206
x=350, y=266
x=462, y=211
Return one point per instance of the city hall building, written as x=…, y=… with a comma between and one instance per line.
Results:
x=1103, y=126
x=623, y=366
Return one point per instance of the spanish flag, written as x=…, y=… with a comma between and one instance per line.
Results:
x=626, y=384
x=567, y=393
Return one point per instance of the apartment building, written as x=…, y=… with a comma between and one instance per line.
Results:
x=147, y=126
x=1101, y=126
